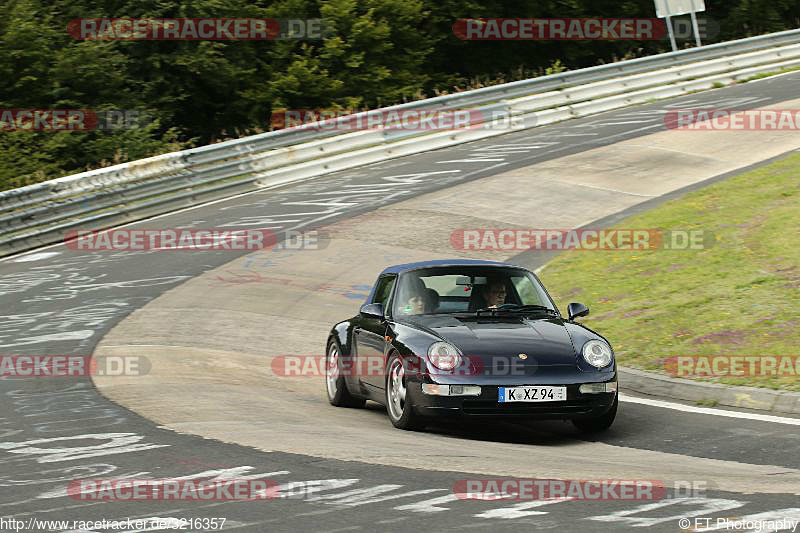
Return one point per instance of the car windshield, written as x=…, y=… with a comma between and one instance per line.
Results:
x=468, y=290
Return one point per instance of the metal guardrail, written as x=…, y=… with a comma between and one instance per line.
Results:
x=41, y=213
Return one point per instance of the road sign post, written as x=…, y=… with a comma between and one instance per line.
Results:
x=669, y=26
x=695, y=26
x=667, y=9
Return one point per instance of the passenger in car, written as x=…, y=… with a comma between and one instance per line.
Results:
x=418, y=298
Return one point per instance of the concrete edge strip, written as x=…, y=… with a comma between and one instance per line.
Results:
x=759, y=399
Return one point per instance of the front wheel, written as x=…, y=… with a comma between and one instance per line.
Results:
x=600, y=423
x=338, y=394
x=400, y=410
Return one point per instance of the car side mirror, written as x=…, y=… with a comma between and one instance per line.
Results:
x=372, y=311
x=575, y=310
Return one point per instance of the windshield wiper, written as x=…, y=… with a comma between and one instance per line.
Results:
x=514, y=308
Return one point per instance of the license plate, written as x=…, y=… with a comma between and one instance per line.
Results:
x=531, y=394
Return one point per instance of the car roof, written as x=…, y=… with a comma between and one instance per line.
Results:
x=398, y=269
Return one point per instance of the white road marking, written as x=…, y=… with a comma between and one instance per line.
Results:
x=691, y=508
x=354, y=502
x=624, y=122
x=118, y=443
x=520, y=510
x=468, y=161
x=345, y=498
x=34, y=257
x=66, y=336
x=430, y=505
x=709, y=411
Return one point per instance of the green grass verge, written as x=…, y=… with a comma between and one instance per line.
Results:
x=740, y=297
x=769, y=74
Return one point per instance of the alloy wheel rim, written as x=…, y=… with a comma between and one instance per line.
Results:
x=332, y=371
x=397, y=389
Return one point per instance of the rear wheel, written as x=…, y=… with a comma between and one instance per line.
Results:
x=338, y=394
x=600, y=423
x=400, y=410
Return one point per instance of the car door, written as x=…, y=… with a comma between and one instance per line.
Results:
x=370, y=339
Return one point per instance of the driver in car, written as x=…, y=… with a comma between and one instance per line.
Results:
x=494, y=292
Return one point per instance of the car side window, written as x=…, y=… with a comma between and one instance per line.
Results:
x=384, y=290
x=528, y=292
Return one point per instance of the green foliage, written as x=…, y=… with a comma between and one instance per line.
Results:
x=378, y=53
x=555, y=68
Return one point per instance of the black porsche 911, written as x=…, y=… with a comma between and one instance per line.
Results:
x=470, y=338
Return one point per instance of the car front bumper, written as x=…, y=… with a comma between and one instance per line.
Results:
x=577, y=404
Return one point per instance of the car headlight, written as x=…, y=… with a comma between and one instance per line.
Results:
x=597, y=353
x=444, y=355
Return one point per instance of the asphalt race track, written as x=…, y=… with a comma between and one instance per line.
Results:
x=57, y=301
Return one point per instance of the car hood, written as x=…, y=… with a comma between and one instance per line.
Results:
x=545, y=341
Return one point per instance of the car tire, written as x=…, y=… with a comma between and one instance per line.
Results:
x=401, y=412
x=338, y=394
x=600, y=423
